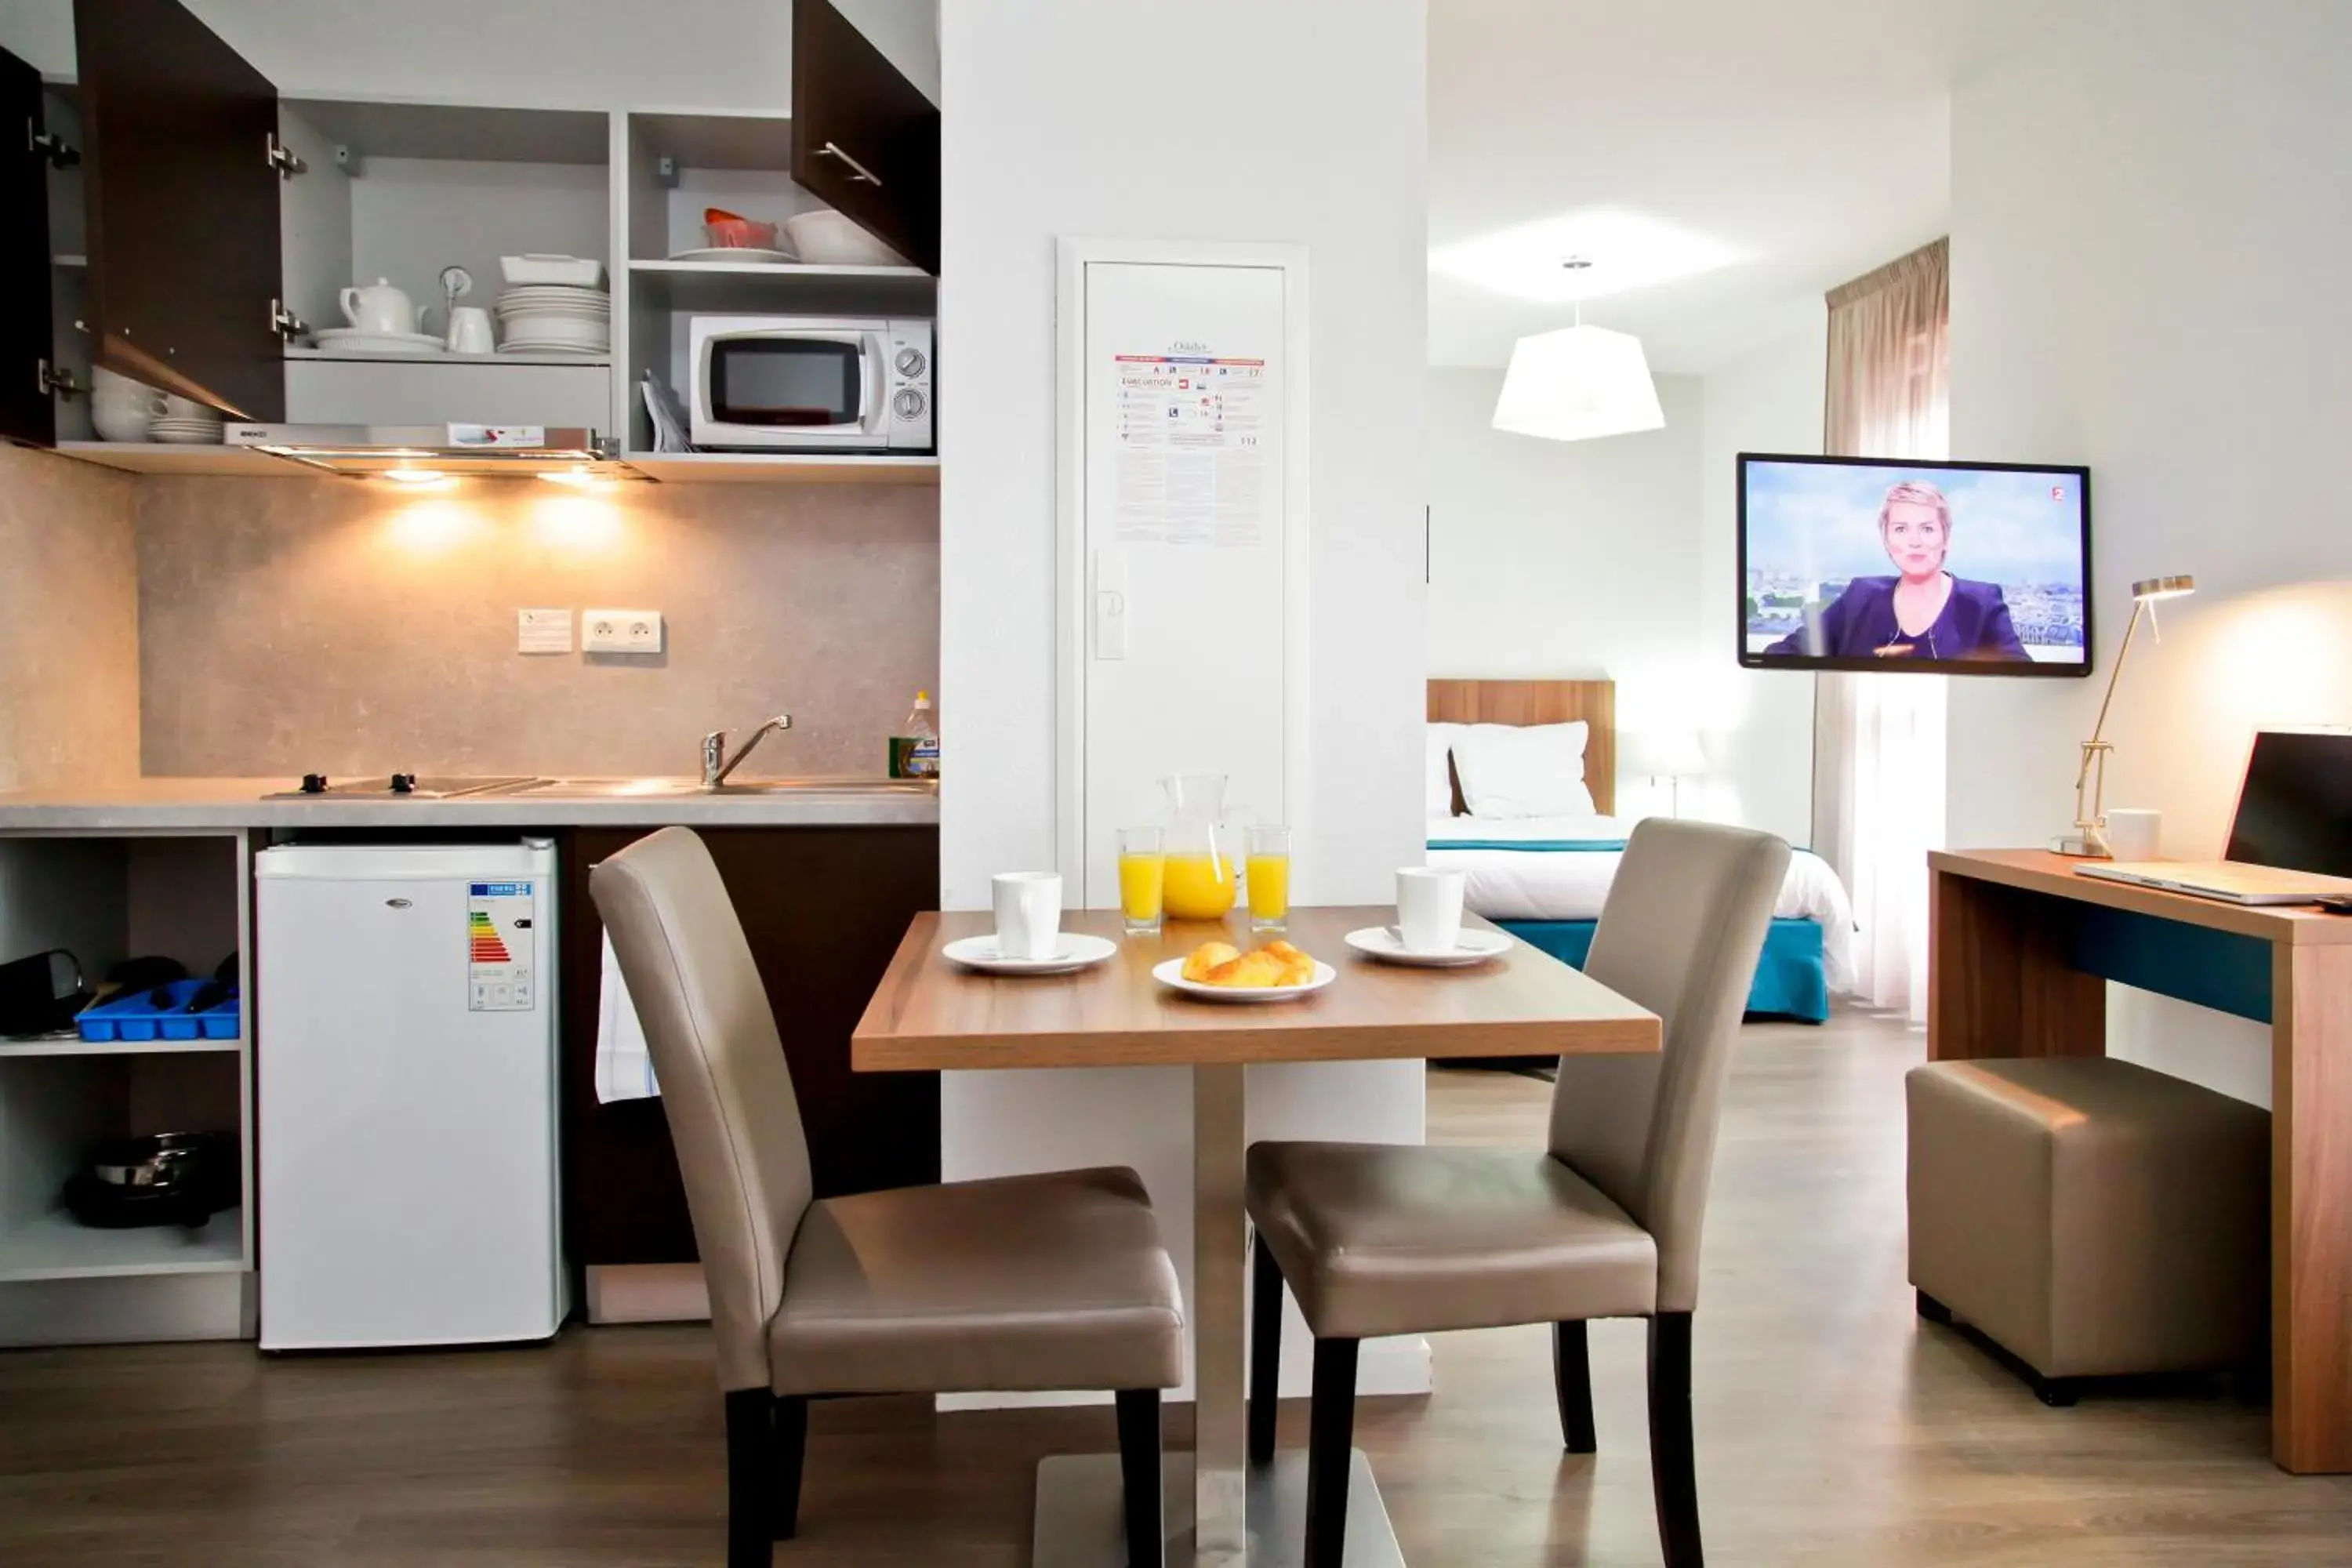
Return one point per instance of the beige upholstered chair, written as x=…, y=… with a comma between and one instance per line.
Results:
x=1030, y=1283
x=1378, y=1240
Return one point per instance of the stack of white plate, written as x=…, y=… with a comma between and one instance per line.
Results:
x=180, y=427
x=555, y=318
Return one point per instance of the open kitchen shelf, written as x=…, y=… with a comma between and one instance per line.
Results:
x=787, y=286
x=443, y=356
x=53, y=1246
x=777, y=468
x=75, y=1045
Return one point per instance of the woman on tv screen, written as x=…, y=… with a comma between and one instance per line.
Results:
x=1922, y=611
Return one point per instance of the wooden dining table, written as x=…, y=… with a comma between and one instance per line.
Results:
x=929, y=1014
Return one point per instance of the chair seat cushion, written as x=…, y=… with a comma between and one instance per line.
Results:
x=1055, y=1281
x=1378, y=1238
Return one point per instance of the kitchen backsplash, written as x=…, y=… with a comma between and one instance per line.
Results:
x=293, y=625
x=69, y=623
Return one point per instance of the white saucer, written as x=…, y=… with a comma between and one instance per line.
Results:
x=734, y=253
x=1076, y=951
x=1469, y=947
x=1171, y=975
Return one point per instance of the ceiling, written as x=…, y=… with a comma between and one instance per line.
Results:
x=1812, y=137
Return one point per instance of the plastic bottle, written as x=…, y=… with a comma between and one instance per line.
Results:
x=923, y=756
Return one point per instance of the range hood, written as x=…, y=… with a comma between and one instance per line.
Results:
x=512, y=450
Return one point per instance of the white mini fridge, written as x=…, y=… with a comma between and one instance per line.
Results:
x=405, y=1068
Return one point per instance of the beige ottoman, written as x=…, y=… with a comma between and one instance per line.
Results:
x=2090, y=1216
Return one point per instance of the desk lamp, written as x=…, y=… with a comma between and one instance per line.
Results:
x=2090, y=836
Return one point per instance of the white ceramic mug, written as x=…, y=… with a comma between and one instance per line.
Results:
x=380, y=308
x=1028, y=913
x=469, y=330
x=2134, y=834
x=1429, y=909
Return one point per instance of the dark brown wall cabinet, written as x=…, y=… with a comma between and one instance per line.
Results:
x=183, y=203
x=823, y=908
x=864, y=137
x=26, y=413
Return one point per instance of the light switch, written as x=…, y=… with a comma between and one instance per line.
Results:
x=620, y=631
x=543, y=631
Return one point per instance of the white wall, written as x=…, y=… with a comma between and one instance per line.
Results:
x=1561, y=559
x=1301, y=123
x=2148, y=244
x=550, y=54
x=1616, y=557
x=1760, y=722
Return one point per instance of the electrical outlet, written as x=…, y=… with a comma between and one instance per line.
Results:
x=620, y=631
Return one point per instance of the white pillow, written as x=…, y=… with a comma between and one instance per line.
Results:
x=1535, y=769
x=1438, y=782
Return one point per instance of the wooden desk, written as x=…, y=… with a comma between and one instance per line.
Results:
x=2022, y=948
x=929, y=1014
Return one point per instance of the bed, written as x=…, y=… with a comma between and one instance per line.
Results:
x=1544, y=878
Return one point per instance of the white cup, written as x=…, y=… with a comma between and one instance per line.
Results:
x=1028, y=913
x=1429, y=909
x=2134, y=834
x=469, y=330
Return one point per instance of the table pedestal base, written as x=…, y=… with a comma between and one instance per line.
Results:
x=1078, y=1515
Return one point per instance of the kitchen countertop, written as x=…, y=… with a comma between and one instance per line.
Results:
x=153, y=805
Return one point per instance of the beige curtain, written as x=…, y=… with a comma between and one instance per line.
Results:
x=1879, y=740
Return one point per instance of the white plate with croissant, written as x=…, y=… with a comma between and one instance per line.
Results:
x=1218, y=972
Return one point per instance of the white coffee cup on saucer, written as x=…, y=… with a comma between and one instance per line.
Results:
x=1028, y=913
x=2134, y=834
x=1429, y=909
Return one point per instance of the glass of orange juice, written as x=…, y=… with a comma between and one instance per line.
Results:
x=1142, y=881
x=1267, y=877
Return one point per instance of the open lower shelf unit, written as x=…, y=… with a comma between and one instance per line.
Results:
x=53, y=1246
x=105, y=898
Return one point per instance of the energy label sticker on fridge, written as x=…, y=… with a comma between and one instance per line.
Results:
x=499, y=947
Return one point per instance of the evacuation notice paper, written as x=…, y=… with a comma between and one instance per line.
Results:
x=1190, y=450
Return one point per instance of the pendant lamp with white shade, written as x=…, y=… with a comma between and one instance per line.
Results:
x=1577, y=384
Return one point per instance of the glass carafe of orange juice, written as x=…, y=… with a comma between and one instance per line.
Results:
x=1202, y=868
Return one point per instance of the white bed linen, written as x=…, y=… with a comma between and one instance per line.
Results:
x=1571, y=884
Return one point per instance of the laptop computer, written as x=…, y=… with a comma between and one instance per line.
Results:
x=2291, y=842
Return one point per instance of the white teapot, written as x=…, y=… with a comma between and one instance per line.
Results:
x=380, y=308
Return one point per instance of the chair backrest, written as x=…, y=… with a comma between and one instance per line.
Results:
x=725, y=1085
x=1680, y=934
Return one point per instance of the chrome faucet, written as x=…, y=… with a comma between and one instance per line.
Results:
x=714, y=749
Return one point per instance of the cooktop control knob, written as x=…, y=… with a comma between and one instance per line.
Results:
x=404, y=784
x=314, y=783
x=911, y=362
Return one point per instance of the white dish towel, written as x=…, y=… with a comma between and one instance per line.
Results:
x=625, y=1068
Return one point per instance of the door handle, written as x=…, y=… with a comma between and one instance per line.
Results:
x=857, y=170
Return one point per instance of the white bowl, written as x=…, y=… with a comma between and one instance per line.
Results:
x=826, y=239
x=581, y=271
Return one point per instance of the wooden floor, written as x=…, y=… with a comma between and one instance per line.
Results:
x=1833, y=1427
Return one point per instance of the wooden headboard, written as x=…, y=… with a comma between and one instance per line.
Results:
x=1540, y=703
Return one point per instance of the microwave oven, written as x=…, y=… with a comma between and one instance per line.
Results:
x=809, y=383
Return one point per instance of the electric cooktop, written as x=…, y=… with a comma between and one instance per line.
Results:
x=399, y=786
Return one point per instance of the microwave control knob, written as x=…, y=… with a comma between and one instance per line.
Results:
x=908, y=404
x=911, y=362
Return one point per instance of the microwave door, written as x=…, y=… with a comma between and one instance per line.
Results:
x=815, y=384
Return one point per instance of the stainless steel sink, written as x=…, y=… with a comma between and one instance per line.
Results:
x=661, y=788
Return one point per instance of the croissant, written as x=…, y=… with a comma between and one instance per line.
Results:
x=1254, y=969
x=1207, y=957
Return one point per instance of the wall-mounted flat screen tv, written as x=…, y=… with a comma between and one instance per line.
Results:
x=1942, y=568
